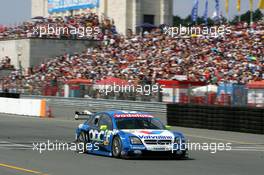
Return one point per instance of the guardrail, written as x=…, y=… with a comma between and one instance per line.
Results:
x=240, y=119
x=65, y=107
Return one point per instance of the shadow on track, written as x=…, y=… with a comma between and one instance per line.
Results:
x=150, y=158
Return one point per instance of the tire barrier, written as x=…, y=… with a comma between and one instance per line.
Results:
x=240, y=119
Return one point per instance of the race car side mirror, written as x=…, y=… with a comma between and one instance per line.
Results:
x=103, y=127
x=168, y=127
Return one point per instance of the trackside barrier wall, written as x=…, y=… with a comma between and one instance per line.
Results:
x=28, y=107
x=65, y=108
x=240, y=119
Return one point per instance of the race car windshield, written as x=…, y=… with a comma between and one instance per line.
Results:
x=139, y=123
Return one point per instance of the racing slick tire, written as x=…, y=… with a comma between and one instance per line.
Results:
x=181, y=156
x=116, y=147
x=84, y=139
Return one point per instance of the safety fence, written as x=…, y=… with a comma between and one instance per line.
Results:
x=200, y=94
x=65, y=107
x=241, y=119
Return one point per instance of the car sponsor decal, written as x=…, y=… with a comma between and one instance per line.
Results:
x=101, y=136
x=151, y=132
x=155, y=137
x=159, y=148
x=138, y=147
x=132, y=116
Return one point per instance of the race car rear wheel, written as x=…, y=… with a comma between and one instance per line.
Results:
x=82, y=139
x=116, y=147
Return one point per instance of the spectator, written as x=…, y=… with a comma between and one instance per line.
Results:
x=5, y=63
x=236, y=58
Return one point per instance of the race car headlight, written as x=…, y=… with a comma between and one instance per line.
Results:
x=135, y=141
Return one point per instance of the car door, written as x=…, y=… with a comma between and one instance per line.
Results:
x=105, y=134
x=93, y=130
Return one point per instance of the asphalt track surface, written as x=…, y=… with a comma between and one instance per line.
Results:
x=17, y=133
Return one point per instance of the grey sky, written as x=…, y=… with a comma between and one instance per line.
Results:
x=14, y=11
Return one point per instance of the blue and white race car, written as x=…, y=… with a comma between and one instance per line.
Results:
x=124, y=134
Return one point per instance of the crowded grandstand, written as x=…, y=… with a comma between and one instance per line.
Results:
x=141, y=58
x=236, y=58
x=32, y=28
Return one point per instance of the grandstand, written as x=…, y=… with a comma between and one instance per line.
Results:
x=130, y=13
x=147, y=58
x=33, y=42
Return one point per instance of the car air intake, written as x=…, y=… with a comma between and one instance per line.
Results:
x=157, y=142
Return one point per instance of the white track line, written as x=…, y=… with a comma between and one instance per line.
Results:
x=10, y=144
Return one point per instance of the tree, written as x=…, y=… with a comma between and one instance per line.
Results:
x=245, y=17
x=258, y=15
x=177, y=21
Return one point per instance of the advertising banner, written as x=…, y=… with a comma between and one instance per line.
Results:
x=66, y=5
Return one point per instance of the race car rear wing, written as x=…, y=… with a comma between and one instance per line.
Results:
x=85, y=115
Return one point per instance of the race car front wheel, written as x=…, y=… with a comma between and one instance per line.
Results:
x=180, y=156
x=116, y=147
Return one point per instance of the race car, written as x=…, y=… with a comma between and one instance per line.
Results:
x=125, y=134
